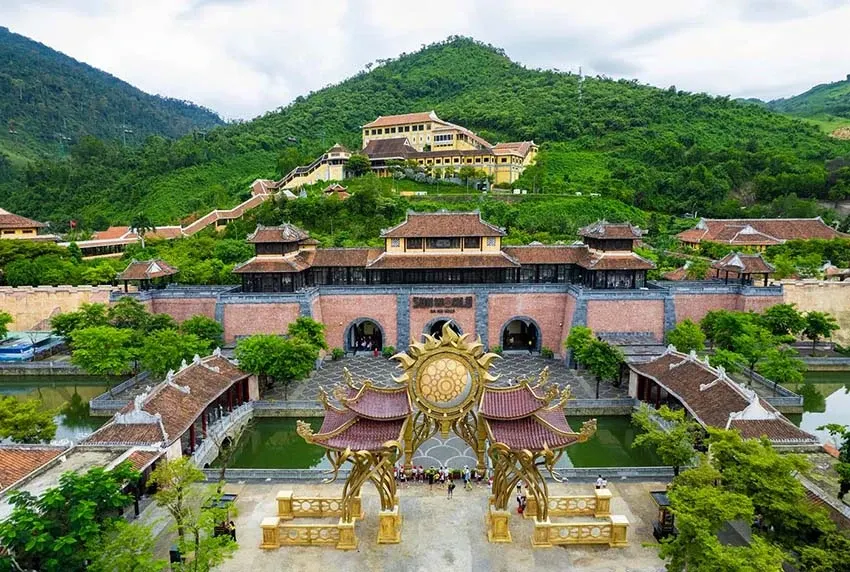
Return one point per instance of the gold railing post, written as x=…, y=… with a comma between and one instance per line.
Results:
x=270, y=533
x=497, y=525
x=540, y=536
x=284, y=505
x=347, y=536
x=619, y=530
x=389, y=528
x=603, y=503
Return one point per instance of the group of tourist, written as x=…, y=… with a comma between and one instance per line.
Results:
x=437, y=475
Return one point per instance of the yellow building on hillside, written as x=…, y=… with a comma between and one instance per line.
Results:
x=437, y=144
x=16, y=226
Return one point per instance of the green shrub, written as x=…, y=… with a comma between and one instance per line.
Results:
x=547, y=353
x=496, y=350
x=388, y=351
x=337, y=354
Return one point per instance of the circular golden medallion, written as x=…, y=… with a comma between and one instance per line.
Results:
x=445, y=381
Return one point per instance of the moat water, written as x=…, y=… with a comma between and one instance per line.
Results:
x=273, y=442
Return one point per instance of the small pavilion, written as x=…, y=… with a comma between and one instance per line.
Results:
x=743, y=267
x=147, y=274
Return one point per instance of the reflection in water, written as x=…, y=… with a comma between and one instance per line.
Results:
x=67, y=396
x=274, y=444
x=831, y=404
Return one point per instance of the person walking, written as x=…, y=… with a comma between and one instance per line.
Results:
x=451, y=488
x=431, y=476
x=600, y=482
x=467, y=478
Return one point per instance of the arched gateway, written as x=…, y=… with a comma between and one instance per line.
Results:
x=445, y=386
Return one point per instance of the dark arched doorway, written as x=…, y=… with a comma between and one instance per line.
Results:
x=364, y=335
x=521, y=334
x=435, y=327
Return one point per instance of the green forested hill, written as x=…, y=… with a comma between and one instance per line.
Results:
x=827, y=104
x=48, y=101
x=657, y=149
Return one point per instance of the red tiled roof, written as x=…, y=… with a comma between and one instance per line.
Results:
x=333, y=420
x=127, y=434
x=421, y=225
x=367, y=434
x=759, y=231
x=414, y=261
x=680, y=273
x=533, y=432
x=111, y=233
x=779, y=429
x=378, y=404
x=547, y=254
x=606, y=230
x=146, y=270
x=345, y=256
x=509, y=403
x=520, y=148
x=616, y=261
x=713, y=399
x=141, y=460
x=276, y=263
x=18, y=461
x=10, y=220
x=744, y=264
x=165, y=232
x=395, y=148
x=404, y=119
x=283, y=233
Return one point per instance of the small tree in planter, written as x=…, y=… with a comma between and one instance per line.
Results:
x=388, y=351
x=547, y=353
x=337, y=354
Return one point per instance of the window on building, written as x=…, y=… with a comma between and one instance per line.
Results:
x=438, y=161
x=472, y=242
x=413, y=244
x=428, y=138
x=380, y=131
x=395, y=242
x=457, y=160
x=438, y=243
x=478, y=159
x=504, y=159
x=469, y=160
x=491, y=241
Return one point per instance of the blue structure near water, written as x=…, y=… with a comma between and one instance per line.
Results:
x=25, y=346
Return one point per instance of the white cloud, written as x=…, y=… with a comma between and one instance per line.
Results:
x=245, y=57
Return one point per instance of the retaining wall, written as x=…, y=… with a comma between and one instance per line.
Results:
x=32, y=307
x=822, y=296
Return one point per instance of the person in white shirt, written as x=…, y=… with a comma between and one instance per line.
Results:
x=600, y=482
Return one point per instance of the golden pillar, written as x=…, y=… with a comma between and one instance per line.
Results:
x=530, y=507
x=357, y=507
x=408, y=444
x=497, y=525
x=270, y=527
x=603, y=503
x=481, y=449
x=619, y=530
x=347, y=536
x=284, y=505
x=389, y=526
x=540, y=536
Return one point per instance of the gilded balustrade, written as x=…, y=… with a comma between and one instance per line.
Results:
x=597, y=505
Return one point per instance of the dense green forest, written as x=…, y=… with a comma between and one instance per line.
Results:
x=654, y=149
x=49, y=101
x=826, y=98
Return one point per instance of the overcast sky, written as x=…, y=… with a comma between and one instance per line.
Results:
x=244, y=57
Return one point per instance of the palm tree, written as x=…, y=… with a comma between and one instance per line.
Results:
x=141, y=223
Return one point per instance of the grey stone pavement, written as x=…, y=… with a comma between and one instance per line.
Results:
x=509, y=369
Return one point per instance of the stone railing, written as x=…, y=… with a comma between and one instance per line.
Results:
x=40, y=368
x=613, y=532
x=295, y=408
x=227, y=426
x=277, y=531
x=107, y=404
x=290, y=506
x=597, y=505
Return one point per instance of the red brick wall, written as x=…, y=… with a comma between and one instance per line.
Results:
x=760, y=303
x=463, y=317
x=626, y=316
x=548, y=310
x=694, y=308
x=248, y=319
x=569, y=312
x=337, y=312
x=182, y=309
x=316, y=309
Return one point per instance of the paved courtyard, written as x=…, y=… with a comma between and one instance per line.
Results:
x=440, y=534
x=509, y=369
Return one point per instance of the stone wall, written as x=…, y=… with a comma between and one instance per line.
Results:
x=31, y=308
x=247, y=319
x=626, y=316
x=549, y=311
x=181, y=309
x=832, y=297
x=420, y=318
x=337, y=312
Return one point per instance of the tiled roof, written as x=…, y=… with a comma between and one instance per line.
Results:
x=283, y=233
x=509, y=403
x=18, y=461
x=10, y=220
x=421, y=225
x=146, y=270
x=680, y=273
x=338, y=148
x=756, y=231
x=533, y=432
x=546, y=254
x=334, y=419
x=714, y=400
x=396, y=148
x=127, y=434
x=266, y=263
x=415, y=261
x=616, y=261
x=345, y=256
x=141, y=460
x=367, y=434
x=744, y=264
x=111, y=233
x=404, y=119
x=520, y=148
x=374, y=403
x=603, y=229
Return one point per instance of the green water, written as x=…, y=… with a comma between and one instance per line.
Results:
x=828, y=403
x=273, y=444
x=67, y=396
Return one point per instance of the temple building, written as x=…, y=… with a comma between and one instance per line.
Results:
x=757, y=233
x=21, y=227
x=443, y=248
x=711, y=398
x=438, y=144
